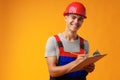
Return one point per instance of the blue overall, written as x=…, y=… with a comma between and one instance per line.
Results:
x=67, y=57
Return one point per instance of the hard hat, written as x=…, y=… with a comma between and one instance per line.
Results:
x=76, y=8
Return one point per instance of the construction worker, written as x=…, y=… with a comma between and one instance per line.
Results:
x=66, y=49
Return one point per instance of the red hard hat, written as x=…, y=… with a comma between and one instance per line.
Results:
x=76, y=8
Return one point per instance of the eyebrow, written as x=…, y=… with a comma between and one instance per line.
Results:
x=78, y=16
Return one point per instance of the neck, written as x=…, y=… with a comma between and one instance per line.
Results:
x=70, y=36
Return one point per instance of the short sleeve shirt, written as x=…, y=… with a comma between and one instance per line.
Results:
x=74, y=46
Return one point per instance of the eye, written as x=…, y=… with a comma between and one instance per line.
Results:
x=81, y=19
x=73, y=17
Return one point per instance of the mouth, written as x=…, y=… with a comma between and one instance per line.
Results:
x=75, y=26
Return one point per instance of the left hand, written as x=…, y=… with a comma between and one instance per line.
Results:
x=90, y=67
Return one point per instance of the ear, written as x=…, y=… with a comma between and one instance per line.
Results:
x=65, y=18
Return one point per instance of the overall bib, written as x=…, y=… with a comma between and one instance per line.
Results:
x=67, y=57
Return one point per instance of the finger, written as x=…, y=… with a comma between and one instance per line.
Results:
x=79, y=54
x=89, y=69
x=82, y=55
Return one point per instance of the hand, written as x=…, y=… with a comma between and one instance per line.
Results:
x=89, y=68
x=81, y=57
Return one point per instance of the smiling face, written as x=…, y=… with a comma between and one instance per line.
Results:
x=73, y=22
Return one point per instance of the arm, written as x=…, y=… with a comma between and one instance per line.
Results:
x=56, y=71
x=90, y=67
x=51, y=58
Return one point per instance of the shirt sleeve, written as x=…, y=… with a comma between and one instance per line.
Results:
x=50, y=49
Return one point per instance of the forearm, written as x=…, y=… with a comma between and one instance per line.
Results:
x=56, y=71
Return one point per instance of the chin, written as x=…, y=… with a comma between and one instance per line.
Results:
x=75, y=30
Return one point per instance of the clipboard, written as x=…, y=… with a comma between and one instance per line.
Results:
x=88, y=61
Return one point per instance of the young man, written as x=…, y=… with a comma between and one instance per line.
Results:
x=65, y=50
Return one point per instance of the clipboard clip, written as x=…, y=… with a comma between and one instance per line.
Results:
x=96, y=53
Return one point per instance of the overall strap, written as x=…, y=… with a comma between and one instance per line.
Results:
x=60, y=45
x=81, y=45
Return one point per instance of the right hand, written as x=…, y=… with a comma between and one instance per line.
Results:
x=81, y=57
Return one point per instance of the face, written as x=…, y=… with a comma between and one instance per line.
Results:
x=73, y=22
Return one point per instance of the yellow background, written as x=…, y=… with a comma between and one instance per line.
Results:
x=25, y=26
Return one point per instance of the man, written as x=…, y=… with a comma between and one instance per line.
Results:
x=65, y=50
